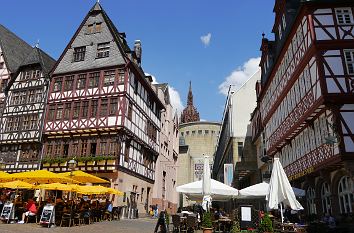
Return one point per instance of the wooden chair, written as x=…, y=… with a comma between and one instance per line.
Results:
x=176, y=221
x=66, y=218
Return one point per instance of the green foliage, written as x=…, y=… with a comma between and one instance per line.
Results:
x=207, y=223
x=235, y=227
x=265, y=224
x=167, y=216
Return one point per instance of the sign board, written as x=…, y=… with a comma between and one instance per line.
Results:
x=246, y=217
x=48, y=215
x=8, y=212
x=198, y=171
x=228, y=173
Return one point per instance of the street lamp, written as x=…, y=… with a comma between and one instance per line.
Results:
x=72, y=164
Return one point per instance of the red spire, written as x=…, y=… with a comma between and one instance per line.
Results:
x=190, y=113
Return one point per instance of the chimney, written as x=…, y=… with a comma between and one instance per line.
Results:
x=138, y=51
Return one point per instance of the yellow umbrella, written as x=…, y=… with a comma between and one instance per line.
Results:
x=41, y=176
x=83, y=177
x=4, y=176
x=113, y=191
x=56, y=186
x=17, y=185
x=88, y=190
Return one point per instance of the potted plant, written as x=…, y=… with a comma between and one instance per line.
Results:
x=207, y=224
x=265, y=225
x=235, y=227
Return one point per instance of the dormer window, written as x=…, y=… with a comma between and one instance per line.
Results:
x=36, y=74
x=344, y=16
x=103, y=50
x=79, y=53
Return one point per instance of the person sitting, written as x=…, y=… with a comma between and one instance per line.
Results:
x=31, y=210
x=109, y=208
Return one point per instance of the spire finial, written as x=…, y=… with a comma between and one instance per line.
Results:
x=263, y=34
x=37, y=44
x=98, y=1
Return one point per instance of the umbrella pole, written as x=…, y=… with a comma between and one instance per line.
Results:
x=281, y=212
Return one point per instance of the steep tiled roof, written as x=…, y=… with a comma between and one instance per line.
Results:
x=14, y=49
x=38, y=56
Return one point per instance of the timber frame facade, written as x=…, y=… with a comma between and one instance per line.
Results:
x=305, y=112
x=23, y=113
x=102, y=110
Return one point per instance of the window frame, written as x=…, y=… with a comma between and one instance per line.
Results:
x=339, y=12
x=349, y=63
x=79, y=54
x=103, y=50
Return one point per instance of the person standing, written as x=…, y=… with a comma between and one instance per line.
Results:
x=156, y=211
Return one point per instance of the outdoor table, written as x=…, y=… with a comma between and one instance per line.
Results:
x=224, y=224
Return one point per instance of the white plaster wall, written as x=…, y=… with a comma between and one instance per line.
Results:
x=243, y=102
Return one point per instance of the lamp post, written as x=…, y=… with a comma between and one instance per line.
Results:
x=72, y=164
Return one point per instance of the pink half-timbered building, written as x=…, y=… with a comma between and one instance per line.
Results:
x=103, y=112
x=306, y=100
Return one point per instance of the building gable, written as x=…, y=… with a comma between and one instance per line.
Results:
x=95, y=30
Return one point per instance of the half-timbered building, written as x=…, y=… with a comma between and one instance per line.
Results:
x=102, y=110
x=22, y=118
x=13, y=50
x=306, y=100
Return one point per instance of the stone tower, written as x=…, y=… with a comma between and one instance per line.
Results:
x=190, y=113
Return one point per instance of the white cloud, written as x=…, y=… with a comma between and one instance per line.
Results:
x=206, y=39
x=175, y=99
x=240, y=75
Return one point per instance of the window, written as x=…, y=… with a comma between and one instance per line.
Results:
x=23, y=97
x=283, y=21
x=75, y=147
x=93, y=148
x=102, y=50
x=49, y=150
x=3, y=84
x=103, y=147
x=311, y=205
x=81, y=82
x=27, y=74
x=34, y=121
x=26, y=122
x=94, y=106
x=279, y=31
x=113, y=106
x=344, y=16
x=130, y=110
x=84, y=112
x=345, y=195
x=57, y=85
x=121, y=75
x=98, y=27
x=16, y=121
x=94, y=79
x=38, y=95
x=51, y=113
x=67, y=111
x=15, y=98
x=83, y=147
x=126, y=152
x=76, y=110
x=90, y=29
x=79, y=53
x=114, y=148
x=349, y=60
x=32, y=96
x=326, y=198
x=59, y=114
x=69, y=80
x=104, y=106
x=36, y=74
x=109, y=77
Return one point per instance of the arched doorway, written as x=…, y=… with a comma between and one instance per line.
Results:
x=310, y=196
x=326, y=198
x=345, y=195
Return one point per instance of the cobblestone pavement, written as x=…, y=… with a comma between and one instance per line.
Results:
x=142, y=225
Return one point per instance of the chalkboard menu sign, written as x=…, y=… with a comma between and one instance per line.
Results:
x=7, y=212
x=246, y=217
x=47, y=216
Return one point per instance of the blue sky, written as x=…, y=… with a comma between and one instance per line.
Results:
x=170, y=32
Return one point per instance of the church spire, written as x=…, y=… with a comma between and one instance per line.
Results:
x=190, y=95
x=190, y=113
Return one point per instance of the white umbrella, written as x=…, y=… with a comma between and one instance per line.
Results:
x=280, y=189
x=218, y=191
x=261, y=190
x=206, y=184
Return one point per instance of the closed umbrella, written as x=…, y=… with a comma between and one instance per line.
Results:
x=280, y=190
x=206, y=184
